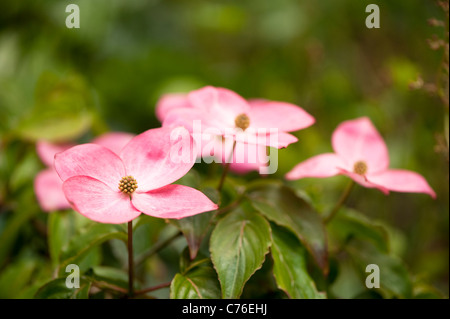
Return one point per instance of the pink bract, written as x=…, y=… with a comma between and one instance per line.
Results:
x=48, y=185
x=245, y=158
x=91, y=175
x=361, y=154
x=219, y=108
x=225, y=105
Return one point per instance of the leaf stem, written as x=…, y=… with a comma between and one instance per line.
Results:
x=341, y=201
x=130, y=260
x=226, y=168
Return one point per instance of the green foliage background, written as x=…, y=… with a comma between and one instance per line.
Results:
x=73, y=84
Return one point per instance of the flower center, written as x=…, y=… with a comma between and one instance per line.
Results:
x=128, y=185
x=242, y=121
x=360, y=168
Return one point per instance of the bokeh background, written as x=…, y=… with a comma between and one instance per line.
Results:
x=65, y=84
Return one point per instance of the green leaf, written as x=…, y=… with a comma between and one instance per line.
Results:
x=194, y=228
x=59, y=232
x=146, y=232
x=238, y=247
x=24, y=171
x=57, y=289
x=12, y=230
x=61, y=110
x=394, y=277
x=109, y=275
x=198, y=282
x=282, y=206
x=349, y=283
x=91, y=238
x=426, y=291
x=16, y=276
x=350, y=223
x=83, y=292
x=289, y=266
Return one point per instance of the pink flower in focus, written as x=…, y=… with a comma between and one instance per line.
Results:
x=48, y=185
x=111, y=188
x=361, y=154
x=224, y=110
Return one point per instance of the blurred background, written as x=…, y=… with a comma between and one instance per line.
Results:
x=69, y=85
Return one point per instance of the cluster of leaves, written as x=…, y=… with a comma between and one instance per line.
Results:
x=268, y=242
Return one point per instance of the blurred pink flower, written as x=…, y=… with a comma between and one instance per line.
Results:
x=361, y=154
x=247, y=156
x=48, y=185
x=225, y=111
x=108, y=188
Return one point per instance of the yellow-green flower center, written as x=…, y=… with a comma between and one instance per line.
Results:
x=242, y=121
x=360, y=168
x=128, y=185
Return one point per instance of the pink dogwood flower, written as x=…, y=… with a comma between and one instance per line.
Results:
x=213, y=146
x=111, y=188
x=245, y=157
x=361, y=154
x=48, y=185
x=248, y=155
x=227, y=112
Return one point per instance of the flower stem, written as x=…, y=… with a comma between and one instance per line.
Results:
x=130, y=260
x=226, y=168
x=341, y=202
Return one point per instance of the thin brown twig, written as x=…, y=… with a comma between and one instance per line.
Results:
x=150, y=289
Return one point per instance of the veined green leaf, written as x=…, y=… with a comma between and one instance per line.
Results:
x=280, y=205
x=289, y=266
x=199, y=282
x=57, y=289
x=238, y=247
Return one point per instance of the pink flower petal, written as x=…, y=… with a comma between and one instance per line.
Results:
x=277, y=139
x=95, y=200
x=46, y=151
x=358, y=140
x=219, y=103
x=402, y=181
x=168, y=102
x=284, y=116
x=90, y=160
x=114, y=141
x=186, y=117
x=173, y=201
x=324, y=165
x=48, y=190
x=246, y=157
x=364, y=181
x=151, y=157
